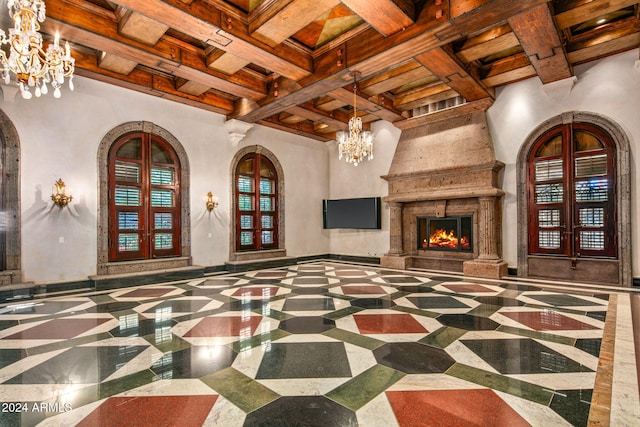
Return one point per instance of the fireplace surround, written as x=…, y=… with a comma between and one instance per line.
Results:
x=441, y=171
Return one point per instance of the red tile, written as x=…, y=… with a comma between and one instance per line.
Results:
x=57, y=329
x=146, y=292
x=152, y=411
x=547, y=320
x=452, y=408
x=388, y=324
x=266, y=291
x=231, y=326
x=468, y=288
x=362, y=290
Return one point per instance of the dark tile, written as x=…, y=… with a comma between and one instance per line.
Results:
x=445, y=279
x=307, y=325
x=309, y=304
x=413, y=358
x=523, y=356
x=437, y=302
x=11, y=355
x=4, y=324
x=373, y=303
x=589, y=345
x=401, y=280
x=58, y=329
x=309, y=291
x=307, y=411
x=522, y=288
x=265, y=281
x=79, y=365
x=598, y=315
x=305, y=360
x=193, y=362
x=244, y=305
x=179, y=306
x=134, y=325
x=573, y=405
x=311, y=281
x=111, y=307
x=499, y=301
x=44, y=307
x=468, y=322
x=202, y=292
x=562, y=300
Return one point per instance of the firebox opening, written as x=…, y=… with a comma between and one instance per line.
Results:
x=452, y=233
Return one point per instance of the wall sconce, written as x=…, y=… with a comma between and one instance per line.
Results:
x=212, y=202
x=59, y=195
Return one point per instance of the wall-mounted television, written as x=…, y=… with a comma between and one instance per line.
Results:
x=361, y=213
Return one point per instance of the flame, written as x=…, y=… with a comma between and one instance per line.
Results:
x=441, y=239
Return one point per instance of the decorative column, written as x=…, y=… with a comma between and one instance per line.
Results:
x=489, y=263
x=395, y=232
x=488, y=233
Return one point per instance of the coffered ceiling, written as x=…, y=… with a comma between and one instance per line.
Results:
x=289, y=64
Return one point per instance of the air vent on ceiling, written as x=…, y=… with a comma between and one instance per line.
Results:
x=438, y=106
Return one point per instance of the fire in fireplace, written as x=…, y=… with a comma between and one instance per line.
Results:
x=452, y=233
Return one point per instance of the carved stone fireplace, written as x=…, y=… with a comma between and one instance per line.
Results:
x=444, y=198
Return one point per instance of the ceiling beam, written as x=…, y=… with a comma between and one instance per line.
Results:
x=204, y=22
x=173, y=58
x=540, y=41
x=281, y=19
x=386, y=16
x=590, y=10
x=447, y=68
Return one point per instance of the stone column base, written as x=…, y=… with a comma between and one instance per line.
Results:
x=399, y=262
x=488, y=269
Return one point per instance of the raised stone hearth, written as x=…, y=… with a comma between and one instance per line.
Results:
x=446, y=169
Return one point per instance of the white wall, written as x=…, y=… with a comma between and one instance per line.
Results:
x=59, y=138
x=348, y=181
x=609, y=87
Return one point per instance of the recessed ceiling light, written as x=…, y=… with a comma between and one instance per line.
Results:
x=601, y=21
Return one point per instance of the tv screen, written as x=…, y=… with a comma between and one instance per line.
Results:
x=352, y=213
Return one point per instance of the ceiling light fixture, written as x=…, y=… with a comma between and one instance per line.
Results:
x=28, y=61
x=356, y=144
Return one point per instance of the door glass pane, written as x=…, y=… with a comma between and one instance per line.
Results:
x=159, y=154
x=162, y=198
x=593, y=240
x=132, y=149
x=163, y=241
x=245, y=203
x=267, y=221
x=591, y=165
x=162, y=221
x=549, y=169
x=592, y=190
x=266, y=186
x=128, y=220
x=549, y=239
x=549, y=218
x=266, y=203
x=585, y=141
x=549, y=193
x=245, y=184
x=162, y=176
x=267, y=237
x=592, y=217
x=128, y=242
x=246, y=221
x=127, y=196
x=246, y=238
x=128, y=172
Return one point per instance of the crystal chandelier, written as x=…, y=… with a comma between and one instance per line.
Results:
x=28, y=61
x=356, y=144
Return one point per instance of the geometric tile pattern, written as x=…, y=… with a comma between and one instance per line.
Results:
x=312, y=344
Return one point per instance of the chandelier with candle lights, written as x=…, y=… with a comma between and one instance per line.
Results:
x=356, y=144
x=32, y=66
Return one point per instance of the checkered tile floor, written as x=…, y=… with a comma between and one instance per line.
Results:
x=318, y=344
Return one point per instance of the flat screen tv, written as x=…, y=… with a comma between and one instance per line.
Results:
x=362, y=213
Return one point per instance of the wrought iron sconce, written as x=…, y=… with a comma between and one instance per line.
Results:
x=59, y=195
x=212, y=202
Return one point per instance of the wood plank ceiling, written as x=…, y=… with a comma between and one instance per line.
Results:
x=289, y=64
